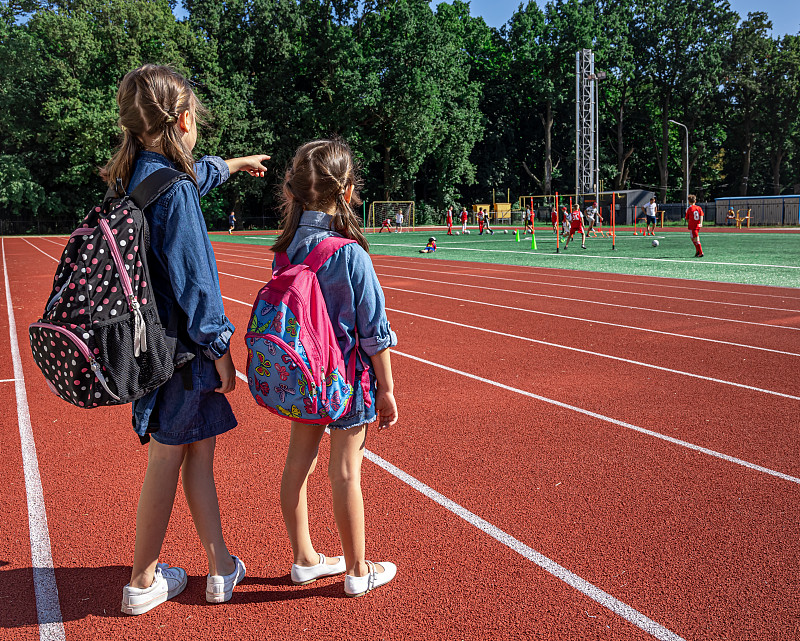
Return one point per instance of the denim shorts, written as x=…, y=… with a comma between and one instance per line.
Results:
x=182, y=416
x=359, y=413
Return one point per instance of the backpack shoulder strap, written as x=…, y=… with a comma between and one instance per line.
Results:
x=324, y=250
x=151, y=188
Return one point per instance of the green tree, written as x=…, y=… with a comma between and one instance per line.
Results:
x=751, y=47
x=779, y=108
x=681, y=47
x=60, y=70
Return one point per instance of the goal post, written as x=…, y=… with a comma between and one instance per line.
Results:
x=383, y=210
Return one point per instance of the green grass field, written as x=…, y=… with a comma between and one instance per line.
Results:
x=758, y=258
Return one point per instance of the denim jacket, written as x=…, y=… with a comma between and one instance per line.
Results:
x=184, y=269
x=352, y=293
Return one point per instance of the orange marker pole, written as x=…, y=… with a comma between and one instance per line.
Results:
x=558, y=227
x=613, y=221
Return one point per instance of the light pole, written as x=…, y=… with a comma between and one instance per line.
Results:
x=686, y=159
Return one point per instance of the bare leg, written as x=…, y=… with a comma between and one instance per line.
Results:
x=155, y=508
x=344, y=471
x=301, y=459
x=197, y=474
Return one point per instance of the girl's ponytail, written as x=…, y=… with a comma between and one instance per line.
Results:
x=318, y=177
x=151, y=99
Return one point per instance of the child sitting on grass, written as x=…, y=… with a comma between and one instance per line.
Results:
x=430, y=247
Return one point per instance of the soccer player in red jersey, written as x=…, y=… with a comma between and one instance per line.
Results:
x=450, y=220
x=576, y=225
x=694, y=218
x=554, y=220
x=464, y=221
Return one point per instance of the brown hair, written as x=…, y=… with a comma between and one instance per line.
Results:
x=150, y=100
x=692, y=199
x=317, y=178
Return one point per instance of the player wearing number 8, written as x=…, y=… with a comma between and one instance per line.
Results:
x=694, y=218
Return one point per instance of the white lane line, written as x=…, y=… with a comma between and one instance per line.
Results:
x=594, y=302
x=231, y=262
x=565, y=256
x=48, y=608
x=586, y=320
x=580, y=350
x=591, y=288
x=254, y=280
x=428, y=269
x=218, y=261
x=9, y=380
x=593, y=321
x=40, y=250
x=608, y=419
x=547, y=564
x=563, y=274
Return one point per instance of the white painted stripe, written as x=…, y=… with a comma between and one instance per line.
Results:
x=254, y=280
x=564, y=274
x=241, y=302
x=39, y=250
x=429, y=271
x=571, y=255
x=580, y=350
x=559, y=571
x=9, y=380
x=231, y=262
x=595, y=302
x=48, y=608
x=608, y=419
x=594, y=321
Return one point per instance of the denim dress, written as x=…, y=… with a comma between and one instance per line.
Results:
x=183, y=272
x=355, y=303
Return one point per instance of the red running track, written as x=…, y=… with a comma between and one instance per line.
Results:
x=558, y=472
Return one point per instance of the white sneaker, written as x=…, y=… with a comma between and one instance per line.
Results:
x=360, y=585
x=167, y=583
x=301, y=575
x=220, y=588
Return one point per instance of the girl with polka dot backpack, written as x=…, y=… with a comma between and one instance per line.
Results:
x=141, y=257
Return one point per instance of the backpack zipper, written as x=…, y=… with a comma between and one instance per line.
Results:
x=139, y=333
x=84, y=350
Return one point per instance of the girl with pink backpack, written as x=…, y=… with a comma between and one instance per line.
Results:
x=318, y=192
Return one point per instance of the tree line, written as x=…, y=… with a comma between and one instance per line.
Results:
x=438, y=107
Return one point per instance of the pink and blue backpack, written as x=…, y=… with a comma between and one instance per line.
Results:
x=295, y=367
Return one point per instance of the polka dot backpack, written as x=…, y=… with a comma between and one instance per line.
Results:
x=100, y=340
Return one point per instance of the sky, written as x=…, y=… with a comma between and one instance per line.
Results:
x=785, y=14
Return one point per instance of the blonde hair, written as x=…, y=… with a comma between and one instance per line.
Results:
x=317, y=178
x=151, y=99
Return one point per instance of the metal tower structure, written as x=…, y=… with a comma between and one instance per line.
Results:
x=585, y=124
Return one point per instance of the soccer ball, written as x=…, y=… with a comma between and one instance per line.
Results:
x=655, y=243
x=505, y=231
x=458, y=233
x=467, y=232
